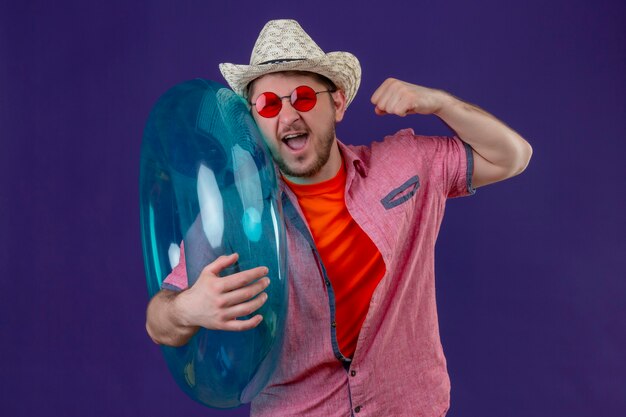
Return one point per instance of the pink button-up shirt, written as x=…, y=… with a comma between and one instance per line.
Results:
x=396, y=191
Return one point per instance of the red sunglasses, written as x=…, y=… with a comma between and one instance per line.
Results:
x=303, y=99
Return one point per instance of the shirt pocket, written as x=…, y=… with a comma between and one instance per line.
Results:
x=401, y=194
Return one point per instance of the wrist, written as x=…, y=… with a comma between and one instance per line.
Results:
x=178, y=310
x=444, y=102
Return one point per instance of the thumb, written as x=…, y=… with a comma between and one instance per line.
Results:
x=215, y=267
x=379, y=111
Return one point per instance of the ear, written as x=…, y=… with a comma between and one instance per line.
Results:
x=339, y=100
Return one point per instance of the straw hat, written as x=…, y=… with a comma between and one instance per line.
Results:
x=283, y=45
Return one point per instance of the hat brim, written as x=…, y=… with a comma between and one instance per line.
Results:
x=342, y=68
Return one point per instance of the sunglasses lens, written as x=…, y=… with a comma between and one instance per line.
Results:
x=303, y=98
x=268, y=104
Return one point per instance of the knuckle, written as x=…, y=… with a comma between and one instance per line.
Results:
x=217, y=285
x=260, y=285
x=251, y=307
x=250, y=293
x=235, y=325
x=208, y=270
x=220, y=302
x=261, y=299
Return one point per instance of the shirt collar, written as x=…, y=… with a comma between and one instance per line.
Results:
x=352, y=160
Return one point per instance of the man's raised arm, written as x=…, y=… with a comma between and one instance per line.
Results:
x=499, y=152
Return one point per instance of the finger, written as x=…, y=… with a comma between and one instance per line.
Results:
x=245, y=309
x=382, y=105
x=399, y=104
x=243, y=278
x=380, y=91
x=388, y=100
x=241, y=295
x=224, y=261
x=380, y=98
x=241, y=325
x=401, y=101
x=376, y=96
x=379, y=111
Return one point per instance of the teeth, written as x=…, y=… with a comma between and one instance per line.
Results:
x=293, y=135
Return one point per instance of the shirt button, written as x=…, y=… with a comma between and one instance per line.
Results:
x=333, y=324
x=328, y=283
x=357, y=409
x=352, y=373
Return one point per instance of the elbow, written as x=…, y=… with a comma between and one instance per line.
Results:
x=166, y=339
x=512, y=161
x=152, y=334
x=518, y=162
x=524, y=154
x=519, y=157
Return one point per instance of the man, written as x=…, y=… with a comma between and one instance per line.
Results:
x=361, y=332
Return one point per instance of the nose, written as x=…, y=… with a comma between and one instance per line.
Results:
x=288, y=115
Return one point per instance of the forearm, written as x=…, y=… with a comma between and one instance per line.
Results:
x=491, y=139
x=165, y=322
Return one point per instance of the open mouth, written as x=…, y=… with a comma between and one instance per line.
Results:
x=296, y=141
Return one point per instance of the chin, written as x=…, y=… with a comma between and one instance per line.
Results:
x=300, y=171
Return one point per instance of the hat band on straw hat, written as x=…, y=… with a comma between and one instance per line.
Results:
x=280, y=61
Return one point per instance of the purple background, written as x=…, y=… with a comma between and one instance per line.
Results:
x=531, y=287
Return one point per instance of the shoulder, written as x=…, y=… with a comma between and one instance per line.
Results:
x=404, y=146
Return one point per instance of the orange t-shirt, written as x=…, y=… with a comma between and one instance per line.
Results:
x=353, y=263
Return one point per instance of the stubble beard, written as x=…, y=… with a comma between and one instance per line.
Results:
x=322, y=155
